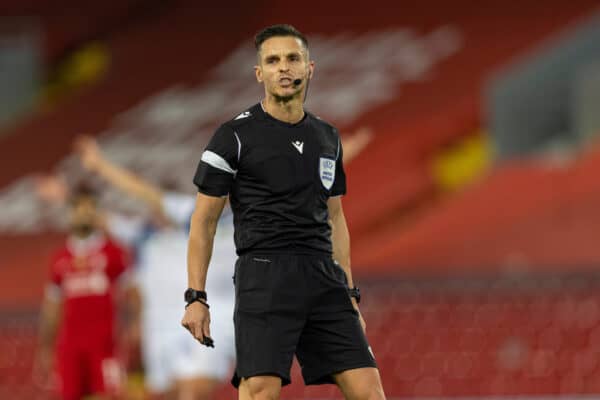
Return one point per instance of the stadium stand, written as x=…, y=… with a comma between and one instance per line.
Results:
x=477, y=337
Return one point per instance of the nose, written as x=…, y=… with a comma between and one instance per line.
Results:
x=283, y=66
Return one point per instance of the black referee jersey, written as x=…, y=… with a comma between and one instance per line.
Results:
x=278, y=177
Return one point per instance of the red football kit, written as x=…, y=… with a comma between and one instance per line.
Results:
x=84, y=274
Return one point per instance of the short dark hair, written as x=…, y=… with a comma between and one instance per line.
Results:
x=278, y=30
x=82, y=191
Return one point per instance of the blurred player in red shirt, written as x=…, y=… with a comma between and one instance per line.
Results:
x=78, y=314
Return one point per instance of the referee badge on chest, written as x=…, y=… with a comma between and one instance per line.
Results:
x=327, y=171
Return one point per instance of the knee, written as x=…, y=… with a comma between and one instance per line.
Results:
x=371, y=394
x=376, y=394
x=261, y=388
x=360, y=384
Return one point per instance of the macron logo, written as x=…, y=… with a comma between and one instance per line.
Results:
x=298, y=145
x=245, y=114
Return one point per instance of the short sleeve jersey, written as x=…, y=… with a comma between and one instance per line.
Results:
x=279, y=177
x=85, y=273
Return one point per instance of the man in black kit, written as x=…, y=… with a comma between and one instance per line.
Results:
x=282, y=170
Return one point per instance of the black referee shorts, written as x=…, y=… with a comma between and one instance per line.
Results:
x=286, y=305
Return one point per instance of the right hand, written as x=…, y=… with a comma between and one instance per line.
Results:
x=196, y=319
x=89, y=152
x=52, y=189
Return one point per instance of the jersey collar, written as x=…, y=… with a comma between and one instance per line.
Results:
x=269, y=117
x=80, y=246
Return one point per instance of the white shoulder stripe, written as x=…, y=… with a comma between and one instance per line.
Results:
x=215, y=160
x=239, y=144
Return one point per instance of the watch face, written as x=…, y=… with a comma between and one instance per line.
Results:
x=193, y=295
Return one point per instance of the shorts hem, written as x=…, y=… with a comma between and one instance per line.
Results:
x=326, y=376
x=236, y=379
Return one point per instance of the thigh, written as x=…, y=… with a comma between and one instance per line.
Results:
x=71, y=371
x=197, y=388
x=269, y=315
x=105, y=370
x=157, y=358
x=360, y=383
x=193, y=360
x=333, y=339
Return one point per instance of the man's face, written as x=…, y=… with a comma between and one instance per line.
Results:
x=282, y=59
x=83, y=216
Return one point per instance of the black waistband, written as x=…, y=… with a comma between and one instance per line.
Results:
x=290, y=252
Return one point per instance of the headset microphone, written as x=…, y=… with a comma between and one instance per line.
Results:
x=297, y=82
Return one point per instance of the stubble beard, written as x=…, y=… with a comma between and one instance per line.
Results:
x=284, y=100
x=82, y=230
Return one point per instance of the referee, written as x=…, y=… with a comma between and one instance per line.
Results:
x=282, y=170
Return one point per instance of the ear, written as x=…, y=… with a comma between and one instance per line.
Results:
x=311, y=69
x=258, y=73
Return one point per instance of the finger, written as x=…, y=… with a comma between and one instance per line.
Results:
x=191, y=329
x=189, y=326
x=198, y=334
x=206, y=328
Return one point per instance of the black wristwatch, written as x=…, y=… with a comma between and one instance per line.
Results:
x=192, y=295
x=354, y=292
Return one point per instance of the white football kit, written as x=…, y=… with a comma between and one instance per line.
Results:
x=169, y=351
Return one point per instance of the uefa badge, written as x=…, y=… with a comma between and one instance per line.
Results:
x=327, y=171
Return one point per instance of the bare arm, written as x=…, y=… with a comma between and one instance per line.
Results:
x=49, y=319
x=202, y=232
x=133, y=185
x=133, y=311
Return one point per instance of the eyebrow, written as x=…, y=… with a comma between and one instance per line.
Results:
x=274, y=56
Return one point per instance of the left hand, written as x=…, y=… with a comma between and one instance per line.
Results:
x=132, y=335
x=362, y=322
x=89, y=152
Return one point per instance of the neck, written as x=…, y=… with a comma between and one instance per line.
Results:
x=288, y=110
x=82, y=234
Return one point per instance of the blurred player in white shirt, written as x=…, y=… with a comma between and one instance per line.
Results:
x=173, y=363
